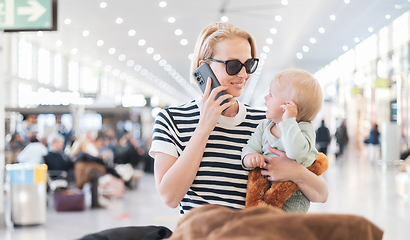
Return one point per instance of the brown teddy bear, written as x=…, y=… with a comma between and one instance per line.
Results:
x=259, y=193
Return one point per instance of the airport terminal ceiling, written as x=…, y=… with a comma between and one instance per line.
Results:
x=149, y=42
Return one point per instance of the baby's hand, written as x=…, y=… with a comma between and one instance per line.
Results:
x=289, y=110
x=254, y=160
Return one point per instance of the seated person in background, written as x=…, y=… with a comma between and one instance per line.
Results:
x=85, y=144
x=128, y=151
x=55, y=158
x=16, y=144
x=33, y=153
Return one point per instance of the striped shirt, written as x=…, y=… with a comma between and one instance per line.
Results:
x=220, y=178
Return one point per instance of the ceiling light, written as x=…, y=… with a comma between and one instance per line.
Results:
x=67, y=21
x=305, y=48
x=178, y=32
x=59, y=43
x=191, y=56
x=131, y=32
x=167, y=68
x=150, y=50
x=356, y=39
x=123, y=76
x=74, y=51
x=184, y=42
x=100, y=43
x=162, y=63
x=141, y=42
x=130, y=63
x=157, y=57
x=321, y=30
x=107, y=68
x=332, y=17
x=171, y=19
x=370, y=29
x=121, y=57
x=137, y=68
x=103, y=5
x=144, y=72
x=98, y=63
x=273, y=30
x=278, y=18
x=116, y=72
x=266, y=49
x=119, y=20
x=172, y=71
x=39, y=33
x=263, y=55
x=387, y=16
x=345, y=48
x=163, y=4
x=269, y=40
x=299, y=55
x=86, y=33
x=224, y=19
x=129, y=79
x=111, y=50
x=285, y=2
x=397, y=6
x=347, y=1
x=313, y=40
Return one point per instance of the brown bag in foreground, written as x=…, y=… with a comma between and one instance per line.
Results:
x=212, y=222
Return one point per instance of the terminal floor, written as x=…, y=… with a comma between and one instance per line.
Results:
x=356, y=186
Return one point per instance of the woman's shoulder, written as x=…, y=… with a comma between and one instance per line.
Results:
x=185, y=106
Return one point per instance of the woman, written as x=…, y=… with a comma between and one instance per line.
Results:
x=197, y=146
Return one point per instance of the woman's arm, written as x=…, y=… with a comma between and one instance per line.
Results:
x=282, y=168
x=174, y=176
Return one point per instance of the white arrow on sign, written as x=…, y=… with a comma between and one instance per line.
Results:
x=35, y=10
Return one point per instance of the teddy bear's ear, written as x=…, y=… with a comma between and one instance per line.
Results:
x=320, y=165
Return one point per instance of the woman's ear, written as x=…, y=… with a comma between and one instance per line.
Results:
x=201, y=61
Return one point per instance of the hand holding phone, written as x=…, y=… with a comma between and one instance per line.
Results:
x=201, y=75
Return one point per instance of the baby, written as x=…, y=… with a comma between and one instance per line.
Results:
x=294, y=99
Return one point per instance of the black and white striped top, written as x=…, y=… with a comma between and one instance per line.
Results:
x=220, y=178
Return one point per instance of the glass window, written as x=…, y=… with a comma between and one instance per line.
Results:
x=91, y=121
x=57, y=71
x=89, y=82
x=111, y=87
x=383, y=41
x=24, y=60
x=67, y=121
x=73, y=76
x=400, y=31
x=43, y=66
x=370, y=47
x=24, y=93
x=104, y=85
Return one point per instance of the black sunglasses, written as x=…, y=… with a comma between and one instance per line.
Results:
x=233, y=67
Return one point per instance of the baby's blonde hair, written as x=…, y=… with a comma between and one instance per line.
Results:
x=211, y=35
x=304, y=90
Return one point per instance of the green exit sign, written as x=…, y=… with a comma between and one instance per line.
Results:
x=28, y=15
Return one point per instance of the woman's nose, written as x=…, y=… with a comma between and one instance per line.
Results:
x=242, y=73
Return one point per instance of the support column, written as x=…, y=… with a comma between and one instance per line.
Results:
x=2, y=136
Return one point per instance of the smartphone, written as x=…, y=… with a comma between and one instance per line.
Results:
x=201, y=75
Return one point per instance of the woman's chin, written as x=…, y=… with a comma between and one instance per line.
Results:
x=235, y=93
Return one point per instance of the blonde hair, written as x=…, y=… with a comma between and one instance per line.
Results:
x=211, y=35
x=304, y=90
